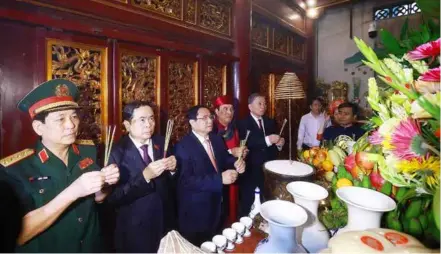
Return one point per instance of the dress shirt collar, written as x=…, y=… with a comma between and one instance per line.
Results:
x=256, y=118
x=199, y=137
x=138, y=144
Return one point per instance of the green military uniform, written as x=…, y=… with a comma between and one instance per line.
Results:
x=37, y=176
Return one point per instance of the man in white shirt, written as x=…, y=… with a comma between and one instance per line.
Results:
x=312, y=124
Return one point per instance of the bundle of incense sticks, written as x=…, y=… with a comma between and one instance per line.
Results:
x=243, y=143
x=168, y=133
x=110, y=134
x=283, y=126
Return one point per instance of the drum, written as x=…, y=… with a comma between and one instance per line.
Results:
x=279, y=173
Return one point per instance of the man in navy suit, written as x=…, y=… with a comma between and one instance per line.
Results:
x=143, y=200
x=262, y=144
x=204, y=167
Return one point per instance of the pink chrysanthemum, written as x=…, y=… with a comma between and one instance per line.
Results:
x=431, y=75
x=430, y=49
x=407, y=141
x=375, y=138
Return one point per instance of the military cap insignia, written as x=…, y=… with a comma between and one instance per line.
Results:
x=85, y=163
x=88, y=142
x=8, y=161
x=62, y=90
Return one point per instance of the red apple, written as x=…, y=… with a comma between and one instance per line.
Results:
x=362, y=160
x=377, y=180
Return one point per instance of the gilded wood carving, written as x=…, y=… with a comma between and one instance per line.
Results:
x=138, y=77
x=170, y=8
x=190, y=13
x=280, y=41
x=86, y=66
x=298, y=49
x=265, y=89
x=214, y=83
x=260, y=33
x=182, y=94
x=215, y=15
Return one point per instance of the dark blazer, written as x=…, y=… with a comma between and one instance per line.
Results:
x=259, y=152
x=200, y=186
x=143, y=210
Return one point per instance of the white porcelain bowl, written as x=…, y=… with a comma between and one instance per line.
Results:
x=209, y=247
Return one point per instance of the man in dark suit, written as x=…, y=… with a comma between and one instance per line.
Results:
x=204, y=167
x=142, y=198
x=262, y=144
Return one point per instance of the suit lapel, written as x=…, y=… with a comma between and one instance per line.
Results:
x=157, y=150
x=255, y=125
x=132, y=155
x=201, y=149
x=215, y=152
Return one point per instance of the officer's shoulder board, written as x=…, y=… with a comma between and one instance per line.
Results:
x=87, y=142
x=16, y=157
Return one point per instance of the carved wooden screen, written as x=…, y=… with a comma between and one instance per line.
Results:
x=139, y=78
x=86, y=66
x=214, y=83
x=182, y=93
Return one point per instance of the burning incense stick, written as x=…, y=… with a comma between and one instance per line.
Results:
x=283, y=126
x=168, y=133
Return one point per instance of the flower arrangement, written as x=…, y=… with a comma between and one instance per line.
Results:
x=406, y=116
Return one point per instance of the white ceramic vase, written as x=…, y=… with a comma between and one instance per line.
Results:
x=365, y=207
x=314, y=236
x=283, y=217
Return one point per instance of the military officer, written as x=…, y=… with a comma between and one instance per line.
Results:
x=58, y=182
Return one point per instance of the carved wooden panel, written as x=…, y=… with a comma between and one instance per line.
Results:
x=276, y=40
x=214, y=83
x=139, y=79
x=182, y=94
x=266, y=90
x=280, y=41
x=260, y=33
x=170, y=8
x=298, y=49
x=86, y=66
x=215, y=15
x=190, y=13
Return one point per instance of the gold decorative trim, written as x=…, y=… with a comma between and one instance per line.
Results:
x=224, y=80
x=121, y=7
x=87, y=142
x=104, y=92
x=157, y=79
x=16, y=157
x=179, y=17
x=56, y=105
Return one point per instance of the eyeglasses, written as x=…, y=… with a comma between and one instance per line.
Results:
x=205, y=118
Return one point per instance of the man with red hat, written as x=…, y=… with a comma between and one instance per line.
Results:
x=225, y=127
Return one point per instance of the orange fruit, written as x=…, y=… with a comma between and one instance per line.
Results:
x=327, y=165
x=321, y=155
x=342, y=182
x=316, y=162
x=313, y=152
